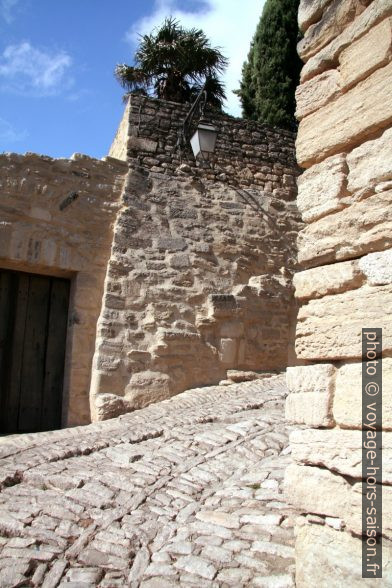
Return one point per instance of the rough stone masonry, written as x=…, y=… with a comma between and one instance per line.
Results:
x=187, y=267
x=39, y=235
x=199, y=277
x=344, y=195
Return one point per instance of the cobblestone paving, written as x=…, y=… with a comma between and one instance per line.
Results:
x=186, y=492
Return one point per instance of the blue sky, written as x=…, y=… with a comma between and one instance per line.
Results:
x=58, y=94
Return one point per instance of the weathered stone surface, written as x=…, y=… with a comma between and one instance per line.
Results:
x=142, y=144
x=363, y=227
x=310, y=11
x=238, y=376
x=196, y=566
x=319, y=491
x=11, y=578
x=316, y=92
x=377, y=267
x=271, y=548
x=322, y=188
x=84, y=575
x=338, y=450
x=310, y=401
x=371, y=163
x=177, y=289
x=334, y=19
x=350, y=118
x=219, y=518
x=139, y=566
x=146, y=387
x=317, y=564
x=371, y=51
x=329, y=279
x=328, y=56
x=347, y=404
x=171, y=244
x=108, y=406
x=233, y=576
x=310, y=408
x=311, y=378
x=53, y=578
x=46, y=229
x=347, y=205
x=331, y=327
x=275, y=581
x=118, y=148
x=10, y=526
x=313, y=409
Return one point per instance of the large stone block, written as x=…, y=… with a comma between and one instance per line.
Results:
x=335, y=18
x=142, y=144
x=327, y=279
x=338, y=450
x=348, y=120
x=311, y=408
x=371, y=163
x=310, y=11
x=312, y=95
x=328, y=56
x=311, y=393
x=347, y=404
x=371, y=51
x=330, y=327
x=311, y=378
x=377, y=267
x=319, y=491
x=325, y=558
x=146, y=387
x=316, y=490
x=354, y=516
x=361, y=228
x=322, y=187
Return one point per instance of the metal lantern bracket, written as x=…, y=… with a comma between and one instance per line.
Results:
x=199, y=103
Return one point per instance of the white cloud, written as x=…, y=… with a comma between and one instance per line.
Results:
x=8, y=134
x=7, y=8
x=227, y=23
x=27, y=70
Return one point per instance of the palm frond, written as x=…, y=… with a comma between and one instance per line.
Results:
x=173, y=63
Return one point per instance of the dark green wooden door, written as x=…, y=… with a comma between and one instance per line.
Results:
x=33, y=329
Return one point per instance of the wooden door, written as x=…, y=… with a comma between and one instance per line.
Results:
x=33, y=330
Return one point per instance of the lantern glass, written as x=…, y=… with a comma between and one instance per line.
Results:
x=204, y=139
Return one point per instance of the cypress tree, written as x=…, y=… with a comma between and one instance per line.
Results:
x=271, y=73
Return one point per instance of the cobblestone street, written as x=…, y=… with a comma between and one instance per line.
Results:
x=187, y=492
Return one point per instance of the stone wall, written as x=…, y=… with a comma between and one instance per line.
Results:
x=345, y=145
x=119, y=147
x=39, y=236
x=199, y=279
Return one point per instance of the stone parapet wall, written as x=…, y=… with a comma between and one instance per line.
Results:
x=345, y=251
x=246, y=153
x=199, y=279
x=38, y=235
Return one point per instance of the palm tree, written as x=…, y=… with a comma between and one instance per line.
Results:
x=173, y=63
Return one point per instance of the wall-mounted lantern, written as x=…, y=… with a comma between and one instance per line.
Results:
x=204, y=139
